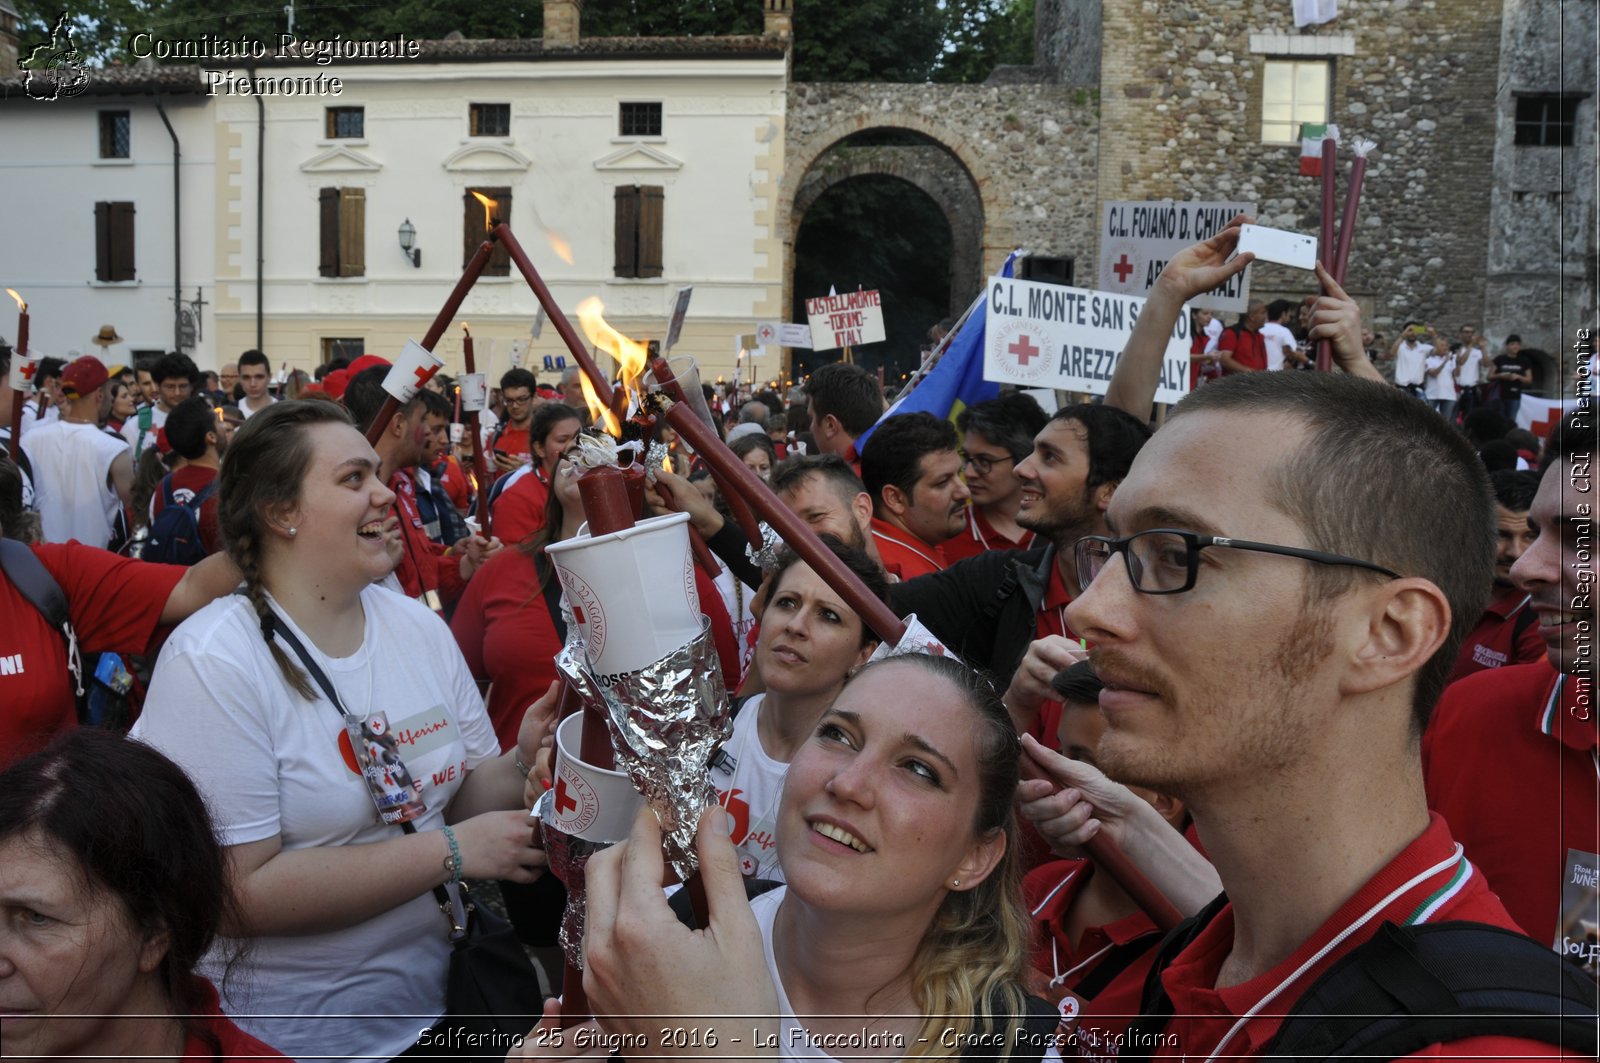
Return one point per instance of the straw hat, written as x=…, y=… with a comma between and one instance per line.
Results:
x=106, y=336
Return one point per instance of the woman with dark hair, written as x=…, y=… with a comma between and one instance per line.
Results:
x=900, y=931
x=319, y=712
x=755, y=449
x=113, y=887
x=810, y=642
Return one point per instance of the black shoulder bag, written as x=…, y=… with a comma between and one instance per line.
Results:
x=492, y=987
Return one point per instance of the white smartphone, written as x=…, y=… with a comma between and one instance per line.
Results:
x=1279, y=245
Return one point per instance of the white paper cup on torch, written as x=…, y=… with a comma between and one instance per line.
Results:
x=414, y=368
x=474, y=391
x=591, y=803
x=632, y=592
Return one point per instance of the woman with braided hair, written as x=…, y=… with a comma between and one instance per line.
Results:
x=251, y=698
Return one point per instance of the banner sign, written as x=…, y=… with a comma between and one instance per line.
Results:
x=1138, y=239
x=783, y=334
x=846, y=320
x=1049, y=336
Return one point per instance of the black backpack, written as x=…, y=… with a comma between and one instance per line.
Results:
x=1406, y=988
x=175, y=533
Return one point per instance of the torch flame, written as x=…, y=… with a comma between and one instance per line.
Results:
x=21, y=306
x=631, y=358
x=560, y=245
x=488, y=206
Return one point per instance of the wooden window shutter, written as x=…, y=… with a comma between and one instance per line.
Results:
x=475, y=231
x=651, y=208
x=500, y=260
x=122, y=266
x=627, y=231
x=102, y=241
x=328, y=205
x=352, y=232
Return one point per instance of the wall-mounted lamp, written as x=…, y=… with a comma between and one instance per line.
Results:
x=408, y=243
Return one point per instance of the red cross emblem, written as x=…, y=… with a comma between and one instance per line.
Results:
x=28, y=369
x=563, y=802
x=424, y=373
x=1122, y=269
x=1023, y=349
x=1541, y=428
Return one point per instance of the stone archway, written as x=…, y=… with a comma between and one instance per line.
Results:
x=929, y=169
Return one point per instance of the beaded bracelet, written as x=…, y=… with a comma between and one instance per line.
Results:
x=452, y=863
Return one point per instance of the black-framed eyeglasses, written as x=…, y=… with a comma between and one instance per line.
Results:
x=1165, y=560
x=982, y=462
x=517, y=400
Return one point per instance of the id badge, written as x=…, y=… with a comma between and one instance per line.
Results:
x=397, y=796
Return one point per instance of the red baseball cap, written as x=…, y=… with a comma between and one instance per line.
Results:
x=335, y=382
x=367, y=361
x=83, y=376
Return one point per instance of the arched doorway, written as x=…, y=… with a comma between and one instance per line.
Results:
x=891, y=208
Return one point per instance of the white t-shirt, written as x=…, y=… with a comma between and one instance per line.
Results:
x=244, y=405
x=749, y=783
x=1277, y=339
x=793, y=1042
x=1441, y=386
x=1213, y=334
x=130, y=428
x=1408, y=362
x=269, y=763
x=1470, y=372
x=71, y=463
x=32, y=418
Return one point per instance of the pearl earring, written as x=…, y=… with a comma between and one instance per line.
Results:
x=293, y=532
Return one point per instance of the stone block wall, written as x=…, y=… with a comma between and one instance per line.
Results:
x=1181, y=113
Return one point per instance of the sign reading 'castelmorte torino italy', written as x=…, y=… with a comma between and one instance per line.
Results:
x=846, y=320
x=1050, y=336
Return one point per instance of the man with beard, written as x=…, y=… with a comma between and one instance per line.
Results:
x=1508, y=631
x=1279, y=682
x=913, y=473
x=1005, y=610
x=995, y=438
x=196, y=436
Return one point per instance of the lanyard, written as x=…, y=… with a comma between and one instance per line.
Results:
x=1447, y=864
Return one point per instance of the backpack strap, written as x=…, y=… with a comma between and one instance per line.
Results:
x=33, y=581
x=1156, y=1007
x=1410, y=987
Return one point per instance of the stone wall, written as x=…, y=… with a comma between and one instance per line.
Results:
x=1541, y=263
x=1181, y=114
x=1030, y=151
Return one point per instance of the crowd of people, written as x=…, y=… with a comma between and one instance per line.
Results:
x=1314, y=650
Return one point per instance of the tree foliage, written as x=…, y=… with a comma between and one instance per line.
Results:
x=984, y=34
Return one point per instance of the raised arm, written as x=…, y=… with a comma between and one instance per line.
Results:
x=1196, y=269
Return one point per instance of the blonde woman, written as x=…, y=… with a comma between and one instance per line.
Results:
x=900, y=931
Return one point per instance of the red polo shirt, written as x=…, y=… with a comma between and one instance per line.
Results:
x=513, y=443
x=1511, y=764
x=1051, y=619
x=424, y=566
x=1495, y=640
x=1050, y=892
x=114, y=604
x=1246, y=346
x=519, y=511
x=903, y=554
x=1204, y=1014
x=979, y=536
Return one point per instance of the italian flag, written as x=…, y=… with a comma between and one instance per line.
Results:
x=1311, y=137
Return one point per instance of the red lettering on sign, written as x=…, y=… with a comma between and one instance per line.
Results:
x=1023, y=349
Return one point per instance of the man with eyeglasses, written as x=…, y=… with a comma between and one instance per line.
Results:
x=1288, y=568
x=510, y=446
x=995, y=436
